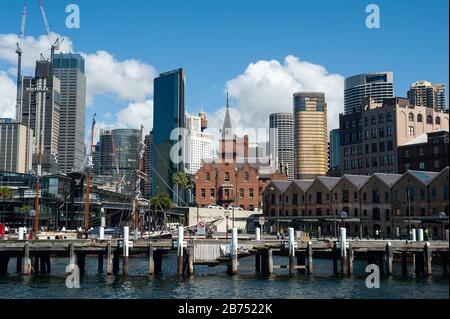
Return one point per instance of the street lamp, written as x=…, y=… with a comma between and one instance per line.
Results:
x=227, y=214
x=442, y=217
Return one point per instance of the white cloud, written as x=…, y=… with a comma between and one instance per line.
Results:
x=268, y=86
x=127, y=80
x=7, y=96
x=135, y=115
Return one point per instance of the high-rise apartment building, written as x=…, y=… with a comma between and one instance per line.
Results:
x=310, y=135
x=427, y=94
x=198, y=144
x=369, y=139
x=168, y=114
x=282, y=141
x=69, y=68
x=379, y=86
x=14, y=156
x=334, y=149
x=40, y=112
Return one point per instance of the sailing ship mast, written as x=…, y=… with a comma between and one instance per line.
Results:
x=88, y=175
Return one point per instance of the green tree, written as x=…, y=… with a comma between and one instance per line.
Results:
x=162, y=202
x=184, y=181
x=5, y=194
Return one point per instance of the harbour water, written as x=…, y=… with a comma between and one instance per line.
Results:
x=214, y=282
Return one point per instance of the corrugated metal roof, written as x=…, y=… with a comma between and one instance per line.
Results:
x=388, y=179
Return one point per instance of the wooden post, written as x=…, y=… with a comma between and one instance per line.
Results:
x=270, y=261
x=428, y=258
x=72, y=256
x=151, y=261
x=190, y=269
x=310, y=258
x=180, y=250
x=257, y=261
x=351, y=256
x=389, y=258
x=404, y=263
x=109, y=259
x=291, y=250
x=26, y=260
x=234, y=252
x=100, y=263
x=126, y=242
x=343, y=244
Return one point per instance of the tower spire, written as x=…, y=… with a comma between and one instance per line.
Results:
x=228, y=100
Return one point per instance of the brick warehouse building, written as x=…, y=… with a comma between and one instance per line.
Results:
x=387, y=204
x=233, y=178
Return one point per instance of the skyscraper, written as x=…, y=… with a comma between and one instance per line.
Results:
x=69, y=68
x=310, y=135
x=379, y=85
x=427, y=94
x=168, y=114
x=40, y=113
x=13, y=147
x=282, y=141
x=119, y=157
x=148, y=171
x=334, y=149
x=198, y=144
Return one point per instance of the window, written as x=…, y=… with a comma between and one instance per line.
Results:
x=373, y=120
x=436, y=150
x=389, y=117
x=411, y=130
x=272, y=199
x=364, y=196
x=227, y=177
x=390, y=145
x=374, y=133
x=246, y=176
x=382, y=148
x=438, y=120
x=421, y=152
x=208, y=177
x=386, y=196
x=433, y=192
x=345, y=196
x=421, y=165
x=422, y=193
x=213, y=193
x=437, y=163
x=376, y=214
x=250, y=193
x=241, y=192
x=429, y=119
x=203, y=193
x=319, y=198
x=356, y=212
x=374, y=147
x=381, y=118
x=294, y=199
x=355, y=195
x=420, y=118
x=376, y=196
x=381, y=131
x=389, y=131
x=411, y=117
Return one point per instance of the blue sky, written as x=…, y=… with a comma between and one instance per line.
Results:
x=216, y=40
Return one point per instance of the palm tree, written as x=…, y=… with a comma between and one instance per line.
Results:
x=183, y=180
x=163, y=202
x=6, y=193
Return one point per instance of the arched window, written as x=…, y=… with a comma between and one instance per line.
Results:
x=420, y=118
x=389, y=117
x=411, y=117
x=429, y=119
x=438, y=120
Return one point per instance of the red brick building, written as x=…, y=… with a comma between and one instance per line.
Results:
x=233, y=178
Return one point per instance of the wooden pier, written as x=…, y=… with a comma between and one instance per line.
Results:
x=34, y=257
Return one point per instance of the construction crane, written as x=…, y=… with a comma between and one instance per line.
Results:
x=19, y=63
x=88, y=174
x=54, y=45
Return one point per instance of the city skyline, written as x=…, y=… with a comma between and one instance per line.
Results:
x=244, y=72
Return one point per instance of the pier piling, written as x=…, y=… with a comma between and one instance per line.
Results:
x=404, y=263
x=109, y=259
x=234, y=251
x=257, y=261
x=351, y=256
x=190, y=268
x=343, y=244
x=116, y=260
x=180, y=250
x=151, y=261
x=126, y=244
x=291, y=251
x=389, y=258
x=428, y=258
x=310, y=258
x=26, y=268
x=270, y=261
x=335, y=254
x=100, y=263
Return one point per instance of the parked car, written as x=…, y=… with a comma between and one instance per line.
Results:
x=234, y=207
x=215, y=207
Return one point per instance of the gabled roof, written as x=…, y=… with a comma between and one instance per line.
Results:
x=303, y=184
x=357, y=180
x=281, y=186
x=328, y=182
x=388, y=179
x=440, y=174
x=424, y=177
